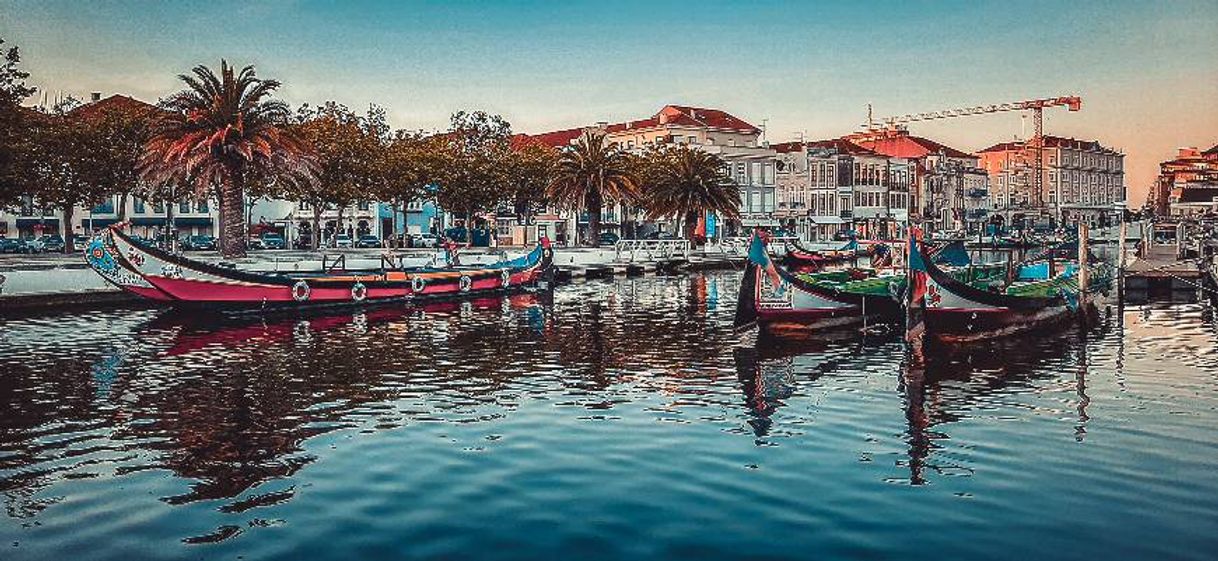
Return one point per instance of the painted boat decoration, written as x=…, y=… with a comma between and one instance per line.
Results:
x=798, y=257
x=161, y=276
x=953, y=310
x=783, y=303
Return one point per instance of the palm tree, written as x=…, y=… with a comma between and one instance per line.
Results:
x=591, y=173
x=219, y=131
x=690, y=183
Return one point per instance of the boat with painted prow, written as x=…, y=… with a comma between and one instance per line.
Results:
x=165, y=277
x=784, y=303
x=953, y=310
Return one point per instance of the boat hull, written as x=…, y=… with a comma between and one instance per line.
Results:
x=184, y=282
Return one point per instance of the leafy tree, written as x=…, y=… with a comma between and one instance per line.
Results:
x=120, y=133
x=411, y=166
x=12, y=91
x=218, y=131
x=349, y=158
x=688, y=183
x=590, y=174
x=478, y=144
x=61, y=162
x=530, y=169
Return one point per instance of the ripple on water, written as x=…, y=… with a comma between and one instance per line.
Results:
x=608, y=420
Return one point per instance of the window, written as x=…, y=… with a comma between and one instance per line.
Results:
x=755, y=201
x=693, y=139
x=363, y=205
x=105, y=207
x=159, y=207
x=202, y=206
x=767, y=174
x=769, y=201
x=137, y=205
x=184, y=207
x=755, y=172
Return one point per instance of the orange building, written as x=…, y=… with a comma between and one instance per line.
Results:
x=1191, y=169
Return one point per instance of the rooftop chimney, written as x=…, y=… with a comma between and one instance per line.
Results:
x=95, y=97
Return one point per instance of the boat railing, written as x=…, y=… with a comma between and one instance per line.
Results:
x=337, y=263
x=630, y=250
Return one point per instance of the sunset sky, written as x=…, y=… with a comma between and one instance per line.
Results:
x=1147, y=71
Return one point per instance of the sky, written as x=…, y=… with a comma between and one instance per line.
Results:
x=1147, y=71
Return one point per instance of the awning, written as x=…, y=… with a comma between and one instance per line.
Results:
x=50, y=222
x=827, y=220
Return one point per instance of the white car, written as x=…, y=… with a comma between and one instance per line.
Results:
x=342, y=240
x=424, y=240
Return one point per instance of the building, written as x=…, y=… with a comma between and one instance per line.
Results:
x=750, y=162
x=1191, y=169
x=1194, y=202
x=829, y=187
x=1081, y=179
x=948, y=190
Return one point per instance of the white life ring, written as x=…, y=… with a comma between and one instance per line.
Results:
x=506, y=277
x=359, y=291
x=465, y=283
x=301, y=291
x=417, y=284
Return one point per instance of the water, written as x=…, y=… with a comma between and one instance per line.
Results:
x=613, y=420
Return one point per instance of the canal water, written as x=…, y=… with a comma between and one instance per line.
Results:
x=609, y=420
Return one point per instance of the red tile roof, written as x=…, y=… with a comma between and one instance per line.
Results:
x=1052, y=142
x=668, y=115
x=905, y=145
x=1212, y=151
x=115, y=102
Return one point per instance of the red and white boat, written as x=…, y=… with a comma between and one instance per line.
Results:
x=164, y=277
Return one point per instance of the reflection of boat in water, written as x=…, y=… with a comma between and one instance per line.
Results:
x=164, y=277
x=948, y=382
x=212, y=332
x=770, y=371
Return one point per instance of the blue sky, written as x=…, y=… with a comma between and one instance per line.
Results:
x=1147, y=71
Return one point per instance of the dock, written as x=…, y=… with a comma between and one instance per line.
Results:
x=1160, y=269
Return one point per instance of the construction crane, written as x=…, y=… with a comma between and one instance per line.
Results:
x=1035, y=144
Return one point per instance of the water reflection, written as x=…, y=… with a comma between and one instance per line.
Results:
x=231, y=411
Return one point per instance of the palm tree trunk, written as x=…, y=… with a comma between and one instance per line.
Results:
x=68, y=210
x=232, y=213
x=594, y=218
x=122, y=206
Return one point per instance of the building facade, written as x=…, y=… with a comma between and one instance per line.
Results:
x=948, y=189
x=1190, y=169
x=1082, y=179
x=148, y=219
x=833, y=187
x=750, y=163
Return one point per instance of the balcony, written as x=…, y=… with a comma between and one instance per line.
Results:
x=978, y=193
x=847, y=214
x=977, y=214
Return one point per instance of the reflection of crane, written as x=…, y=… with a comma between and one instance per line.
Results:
x=1035, y=144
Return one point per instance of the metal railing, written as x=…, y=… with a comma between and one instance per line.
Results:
x=629, y=250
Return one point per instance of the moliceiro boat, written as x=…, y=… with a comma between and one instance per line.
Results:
x=954, y=310
x=164, y=277
x=801, y=258
x=784, y=303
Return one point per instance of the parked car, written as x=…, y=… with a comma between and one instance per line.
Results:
x=368, y=241
x=608, y=238
x=31, y=245
x=342, y=240
x=274, y=241
x=424, y=240
x=9, y=245
x=658, y=235
x=79, y=242
x=254, y=244
x=52, y=242
x=199, y=243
